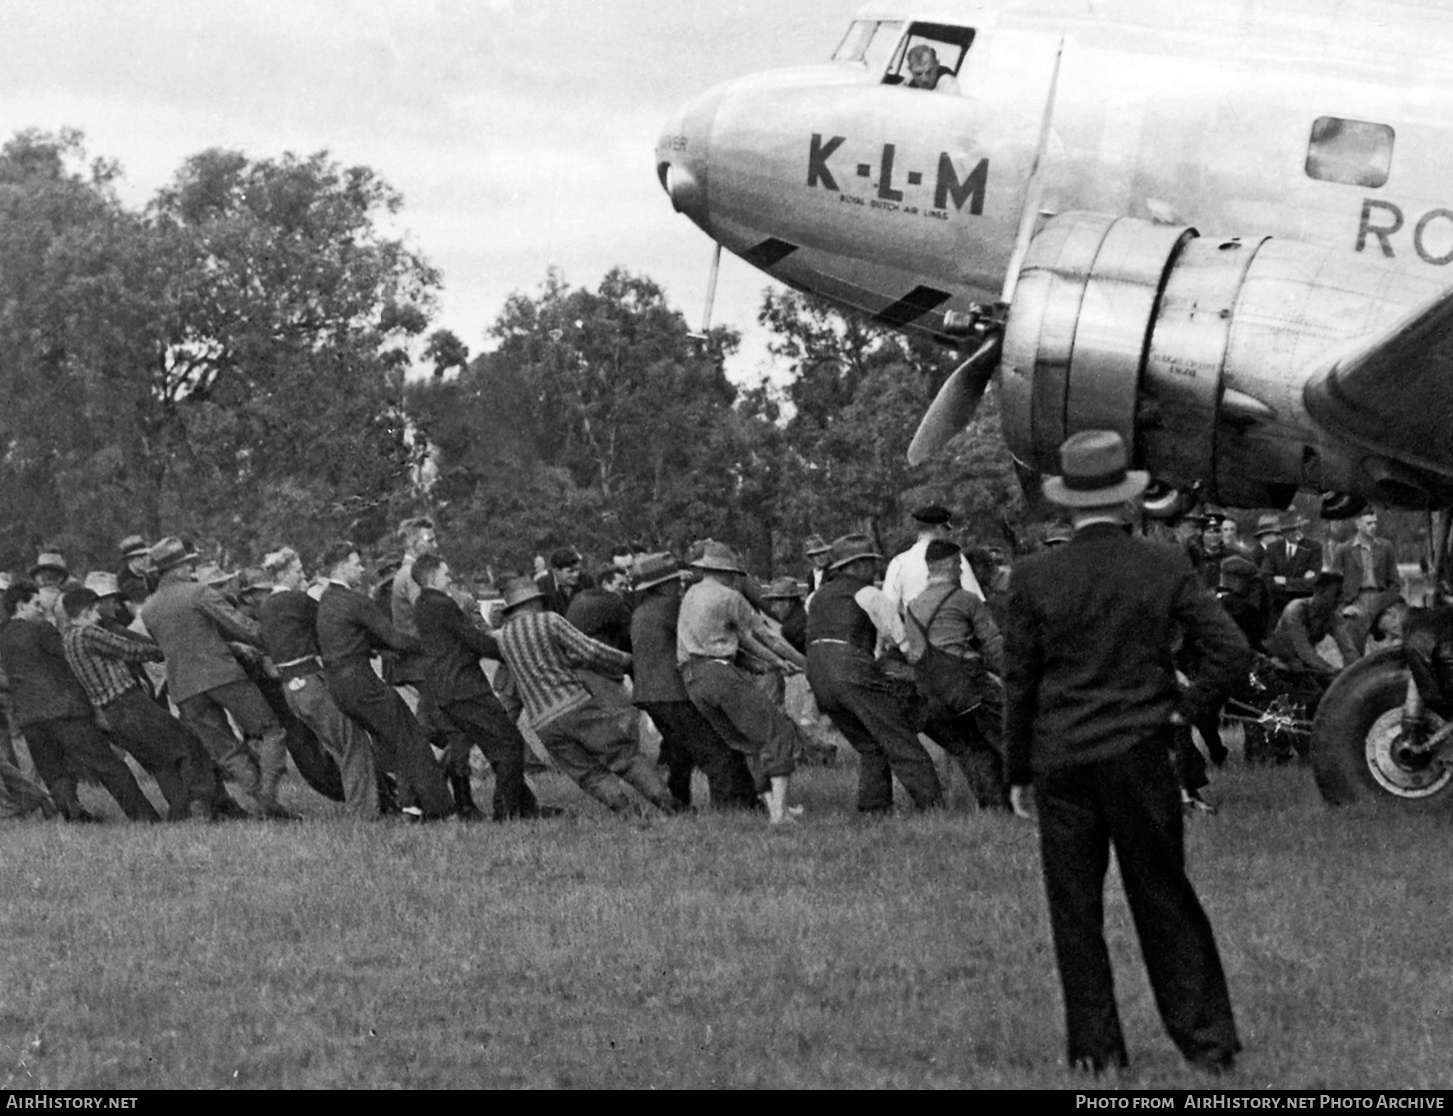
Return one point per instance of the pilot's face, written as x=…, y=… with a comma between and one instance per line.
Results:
x=1367, y=524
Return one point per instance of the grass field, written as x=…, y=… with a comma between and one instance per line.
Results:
x=705, y=951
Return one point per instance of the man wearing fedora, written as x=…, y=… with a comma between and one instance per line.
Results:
x=1289, y=561
x=819, y=557
x=1091, y=705
x=688, y=741
x=719, y=634
x=194, y=623
x=465, y=704
x=846, y=621
x=53, y=577
x=595, y=744
x=351, y=628
x=134, y=575
x=907, y=574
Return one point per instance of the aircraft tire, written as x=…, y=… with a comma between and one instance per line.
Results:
x=1357, y=724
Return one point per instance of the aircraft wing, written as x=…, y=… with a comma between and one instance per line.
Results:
x=1393, y=395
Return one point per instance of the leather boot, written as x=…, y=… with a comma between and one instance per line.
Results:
x=464, y=798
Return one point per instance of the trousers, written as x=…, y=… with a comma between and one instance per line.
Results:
x=1130, y=802
x=867, y=709
x=481, y=722
x=65, y=747
x=976, y=742
x=744, y=716
x=341, y=737
x=597, y=748
x=689, y=742
x=257, y=762
x=402, y=749
x=173, y=756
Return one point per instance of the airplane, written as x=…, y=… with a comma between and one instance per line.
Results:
x=1222, y=228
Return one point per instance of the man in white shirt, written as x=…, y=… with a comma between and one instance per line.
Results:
x=907, y=574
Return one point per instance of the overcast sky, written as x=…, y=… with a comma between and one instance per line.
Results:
x=520, y=132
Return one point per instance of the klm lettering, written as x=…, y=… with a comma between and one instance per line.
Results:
x=898, y=187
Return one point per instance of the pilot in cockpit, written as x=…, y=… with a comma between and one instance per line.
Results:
x=927, y=73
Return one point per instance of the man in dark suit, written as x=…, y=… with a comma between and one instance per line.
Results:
x=1091, y=703
x=1370, y=579
x=350, y=629
x=1289, y=562
x=468, y=710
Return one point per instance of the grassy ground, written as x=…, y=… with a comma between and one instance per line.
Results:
x=706, y=951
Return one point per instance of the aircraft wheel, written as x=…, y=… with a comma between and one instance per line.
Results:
x=1356, y=737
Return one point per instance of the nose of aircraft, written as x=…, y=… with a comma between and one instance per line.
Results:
x=683, y=156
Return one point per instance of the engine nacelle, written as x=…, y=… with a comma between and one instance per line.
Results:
x=1195, y=349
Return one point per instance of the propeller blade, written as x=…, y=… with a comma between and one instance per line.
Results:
x=956, y=402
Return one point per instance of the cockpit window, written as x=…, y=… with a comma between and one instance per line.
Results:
x=1352, y=152
x=931, y=57
x=870, y=42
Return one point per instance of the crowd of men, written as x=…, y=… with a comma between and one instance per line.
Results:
x=210, y=680
x=1054, y=680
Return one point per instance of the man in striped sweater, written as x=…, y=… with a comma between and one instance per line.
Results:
x=595, y=745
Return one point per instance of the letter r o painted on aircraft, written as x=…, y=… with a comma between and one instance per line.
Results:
x=1421, y=227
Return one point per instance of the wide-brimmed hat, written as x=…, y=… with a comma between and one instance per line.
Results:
x=255, y=579
x=103, y=584
x=934, y=515
x=134, y=546
x=852, y=548
x=210, y=573
x=51, y=560
x=783, y=589
x=1268, y=525
x=814, y=545
x=655, y=569
x=521, y=590
x=1094, y=473
x=169, y=553
x=1293, y=521
x=718, y=556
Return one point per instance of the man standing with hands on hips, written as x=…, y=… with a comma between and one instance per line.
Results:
x=1090, y=704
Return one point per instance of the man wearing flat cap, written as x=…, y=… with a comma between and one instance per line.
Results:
x=846, y=620
x=907, y=574
x=1091, y=706
x=957, y=655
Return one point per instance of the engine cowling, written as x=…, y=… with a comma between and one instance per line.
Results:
x=1195, y=349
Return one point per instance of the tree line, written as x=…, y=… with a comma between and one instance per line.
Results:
x=238, y=360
